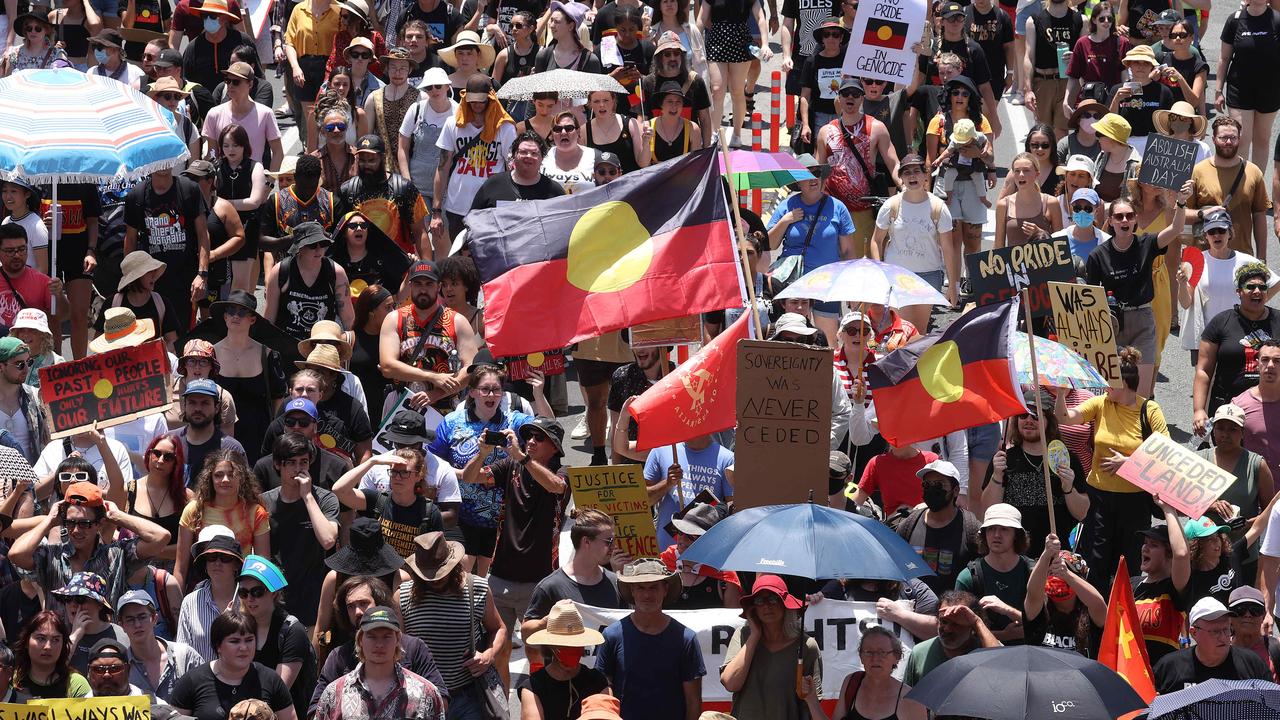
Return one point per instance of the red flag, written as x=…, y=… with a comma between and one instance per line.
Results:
x=1123, y=648
x=697, y=398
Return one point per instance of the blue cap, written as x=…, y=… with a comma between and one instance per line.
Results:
x=265, y=572
x=1086, y=194
x=201, y=387
x=303, y=405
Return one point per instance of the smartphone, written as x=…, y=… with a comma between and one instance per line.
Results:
x=494, y=438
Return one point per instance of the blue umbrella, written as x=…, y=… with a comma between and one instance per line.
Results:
x=1219, y=700
x=807, y=540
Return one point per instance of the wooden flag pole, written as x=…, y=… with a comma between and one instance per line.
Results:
x=675, y=458
x=1035, y=381
x=748, y=271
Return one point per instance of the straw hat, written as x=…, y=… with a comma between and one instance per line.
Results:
x=565, y=629
x=251, y=710
x=1140, y=53
x=122, y=329
x=216, y=7
x=646, y=570
x=326, y=332
x=165, y=84
x=288, y=166
x=434, y=557
x=1181, y=110
x=322, y=357
x=468, y=38
x=136, y=264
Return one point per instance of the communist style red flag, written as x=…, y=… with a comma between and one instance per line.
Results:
x=1123, y=648
x=698, y=397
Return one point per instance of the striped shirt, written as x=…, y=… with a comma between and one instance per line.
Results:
x=846, y=376
x=195, y=619
x=441, y=622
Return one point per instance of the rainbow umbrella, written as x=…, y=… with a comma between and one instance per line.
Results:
x=864, y=281
x=763, y=169
x=1059, y=365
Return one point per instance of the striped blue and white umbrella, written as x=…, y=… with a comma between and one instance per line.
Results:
x=63, y=126
x=1220, y=700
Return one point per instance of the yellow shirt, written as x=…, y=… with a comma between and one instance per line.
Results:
x=311, y=35
x=1118, y=428
x=244, y=521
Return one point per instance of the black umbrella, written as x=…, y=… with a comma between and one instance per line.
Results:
x=1026, y=683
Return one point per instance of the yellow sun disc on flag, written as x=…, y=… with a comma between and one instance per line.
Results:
x=609, y=249
x=942, y=372
x=885, y=32
x=536, y=360
x=103, y=389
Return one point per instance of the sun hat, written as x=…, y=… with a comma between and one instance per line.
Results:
x=1002, y=515
x=434, y=76
x=380, y=616
x=1229, y=412
x=964, y=131
x=1207, y=608
x=1114, y=127
x=696, y=519
x=31, y=319
x=809, y=162
x=434, y=557
x=358, y=41
x=647, y=570
x=251, y=709
x=792, y=323
x=1079, y=163
x=166, y=84
x=307, y=234
x=668, y=40
x=237, y=298
x=265, y=572
x=122, y=329
x=135, y=597
x=209, y=532
x=942, y=467
x=575, y=11
x=1140, y=53
x=215, y=7
x=366, y=552
x=407, y=427
x=84, y=584
x=202, y=386
x=774, y=585
x=1203, y=527
x=831, y=23
x=322, y=357
x=198, y=349
x=552, y=429
x=1084, y=105
x=218, y=545
x=565, y=629
x=356, y=7
x=136, y=264
x=601, y=707
x=84, y=494
x=326, y=332
x=288, y=166
x=468, y=38
x=301, y=404
x=396, y=53
x=1181, y=110
x=108, y=38
x=669, y=88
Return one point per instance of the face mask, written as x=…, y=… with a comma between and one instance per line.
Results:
x=1087, y=125
x=212, y=25
x=1082, y=218
x=937, y=497
x=569, y=657
x=100, y=54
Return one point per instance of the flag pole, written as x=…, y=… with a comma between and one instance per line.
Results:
x=1035, y=381
x=675, y=459
x=748, y=271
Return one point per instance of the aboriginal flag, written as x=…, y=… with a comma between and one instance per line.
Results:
x=950, y=381
x=653, y=244
x=885, y=34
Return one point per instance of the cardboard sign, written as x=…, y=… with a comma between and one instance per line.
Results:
x=684, y=330
x=784, y=423
x=1083, y=321
x=110, y=388
x=550, y=363
x=881, y=40
x=1167, y=162
x=619, y=491
x=131, y=707
x=836, y=625
x=997, y=275
x=1188, y=482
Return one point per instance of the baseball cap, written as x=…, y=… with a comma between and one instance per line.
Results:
x=11, y=347
x=792, y=323
x=135, y=597
x=1158, y=531
x=951, y=9
x=1202, y=527
x=1168, y=17
x=911, y=159
x=853, y=82
x=108, y=648
x=1244, y=595
x=1217, y=219
x=201, y=387
x=1002, y=515
x=199, y=169
x=370, y=144
x=241, y=70
x=840, y=466
x=1207, y=608
x=380, y=616
x=853, y=317
x=608, y=158
x=946, y=468
x=424, y=268
x=1229, y=412
x=264, y=571
x=84, y=494
x=168, y=58
x=1089, y=195
x=301, y=405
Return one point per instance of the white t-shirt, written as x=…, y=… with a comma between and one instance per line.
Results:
x=913, y=239
x=473, y=162
x=37, y=235
x=127, y=74
x=136, y=435
x=576, y=179
x=55, y=453
x=440, y=475
x=1218, y=283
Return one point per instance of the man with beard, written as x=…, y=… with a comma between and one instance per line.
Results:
x=387, y=199
x=291, y=205
x=385, y=108
x=24, y=285
x=960, y=630
x=628, y=382
x=302, y=418
x=944, y=534
x=1226, y=173
x=671, y=64
x=473, y=148
x=426, y=345
x=525, y=181
x=165, y=215
x=199, y=434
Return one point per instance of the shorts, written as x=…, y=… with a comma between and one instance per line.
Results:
x=71, y=252
x=478, y=541
x=1021, y=18
x=1259, y=96
x=1050, y=92
x=983, y=441
x=313, y=70
x=965, y=205
x=864, y=223
x=249, y=248
x=1138, y=330
x=511, y=598
x=107, y=8
x=934, y=278
x=595, y=372
x=826, y=309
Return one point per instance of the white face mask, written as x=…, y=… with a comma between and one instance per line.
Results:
x=1087, y=125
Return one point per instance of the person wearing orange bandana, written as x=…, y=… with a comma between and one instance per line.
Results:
x=476, y=146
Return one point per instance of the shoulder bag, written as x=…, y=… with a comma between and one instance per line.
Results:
x=788, y=269
x=493, y=696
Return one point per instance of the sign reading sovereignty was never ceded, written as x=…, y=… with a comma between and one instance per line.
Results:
x=109, y=388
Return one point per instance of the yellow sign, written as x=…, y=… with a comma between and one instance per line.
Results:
x=619, y=492
x=134, y=707
x=1083, y=321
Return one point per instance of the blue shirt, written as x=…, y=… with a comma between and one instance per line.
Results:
x=703, y=470
x=824, y=246
x=457, y=441
x=646, y=671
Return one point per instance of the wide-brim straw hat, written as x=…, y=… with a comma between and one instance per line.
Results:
x=647, y=570
x=468, y=38
x=565, y=629
x=326, y=332
x=122, y=329
x=1181, y=110
x=322, y=357
x=135, y=265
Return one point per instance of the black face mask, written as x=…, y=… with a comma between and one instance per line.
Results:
x=937, y=497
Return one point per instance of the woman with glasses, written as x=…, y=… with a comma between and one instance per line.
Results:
x=873, y=692
x=1192, y=69
x=249, y=371
x=284, y=646
x=568, y=162
x=226, y=494
x=760, y=665
x=1061, y=609
x=820, y=78
x=1041, y=144
x=516, y=59
x=242, y=183
x=1227, y=362
x=1027, y=214
x=630, y=136
x=262, y=92
x=42, y=666
x=36, y=49
x=160, y=495
x=1081, y=138
x=419, y=132
x=1246, y=88
x=232, y=673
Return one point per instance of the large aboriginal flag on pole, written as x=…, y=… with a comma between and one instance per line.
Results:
x=950, y=381
x=652, y=245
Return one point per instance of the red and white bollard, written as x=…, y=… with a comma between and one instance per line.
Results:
x=757, y=144
x=775, y=109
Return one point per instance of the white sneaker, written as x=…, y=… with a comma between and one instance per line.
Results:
x=1015, y=97
x=581, y=431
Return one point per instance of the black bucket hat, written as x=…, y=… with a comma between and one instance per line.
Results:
x=407, y=427
x=548, y=427
x=366, y=553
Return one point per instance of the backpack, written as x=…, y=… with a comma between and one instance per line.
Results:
x=894, y=206
x=979, y=588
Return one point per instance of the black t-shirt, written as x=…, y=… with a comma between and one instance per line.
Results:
x=1052, y=30
x=443, y=22
x=1238, y=339
x=530, y=526
x=1218, y=582
x=975, y=62
x=822, y=75
x=559, y=586
x=1024, y=489
x=1126, y=274
x=325, y=470
x=287, y=643
x=202, y=695
x=1161, y=614
x=889, y=110
x=166, y=227
x=555, y=696
x=992, y=31
x=15, y=607
x=501, y=188
x=696, y=96
x=947, y=550
x=1255, y=46
x=1140, y=111
x=1182, y=669
x=296, y=550
x=204, y=63
x=808, y=15
x=1051, y=628
x=343, y=423
x=402, y=523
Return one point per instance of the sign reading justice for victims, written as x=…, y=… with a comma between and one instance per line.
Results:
x=619, y=492
x=110, y=388
x=1188, y=482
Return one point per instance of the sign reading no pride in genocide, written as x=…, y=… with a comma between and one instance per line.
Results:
x=110, y=388
x=1167, y=162
x=880, y=41
x=784, y=423
x=1082, y=320
x=1188, y=482
x=997, y=275
x=619, y=492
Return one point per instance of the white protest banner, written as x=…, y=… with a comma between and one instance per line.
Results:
x=835, y=624
x=881, y=38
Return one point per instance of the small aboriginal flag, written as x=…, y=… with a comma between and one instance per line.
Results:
x=885, y=34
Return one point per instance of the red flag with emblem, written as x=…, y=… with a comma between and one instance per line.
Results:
x=1123, y=648
x=698, y=397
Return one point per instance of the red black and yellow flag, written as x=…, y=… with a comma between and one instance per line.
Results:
x=885, y=34
x=651, y=245
x=950, y=381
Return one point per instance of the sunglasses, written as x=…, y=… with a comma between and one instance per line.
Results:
x=1102, y=19
x=169, y=96
x=1216, y=231
x=766, y=600
x=295, y=421
x=22, y=364
x=222, y=559
x=832, y=35
x=851, y=93
x=238, y=312
x=1250, y=611
x=1090, y=115
x=73, y=476
x=82, y=524
x=437, y=87
x=1255, y=287
x=1179, y=35
x=1122, y=216
x=164, y=455
x=608, y=171
x=960, y=93
x=255, y=593
x=113, y=669
x=236, y=82
x=566, y=129
x=335, y=127
x=361, y=55
x=857, y=330
x=1082, y=207
x=1039, y=146
x=358, y=225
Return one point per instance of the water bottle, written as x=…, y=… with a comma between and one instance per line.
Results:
x=755, y=51
x=1111, y=301
x=1194, y=442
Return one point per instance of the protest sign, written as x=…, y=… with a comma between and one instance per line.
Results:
x=1188, y=482
x=550, y=362
x=619, y=492
x=109, y=388
x=836, y=626
x=784, y=423
x=997, y=275
x=132, y=707
x=683, y=330
x=1167, y=162
x=881, y=39
x=1082, y=319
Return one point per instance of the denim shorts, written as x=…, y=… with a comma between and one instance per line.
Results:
x=826, y=309
x=983, y=441
x=107, y=8
x=934, y=278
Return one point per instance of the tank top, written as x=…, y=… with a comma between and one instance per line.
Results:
x=236, y=183
x=848, y=183
x=75, y=38
x=439, y=347
x=622, y=146
x=1013, y=234
x=390, y=115
x=856, y=687
x=291, y=212
x=219, y=270
x=302, y=305
x=168, y=522
x=661, y=149
x=519, y=65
